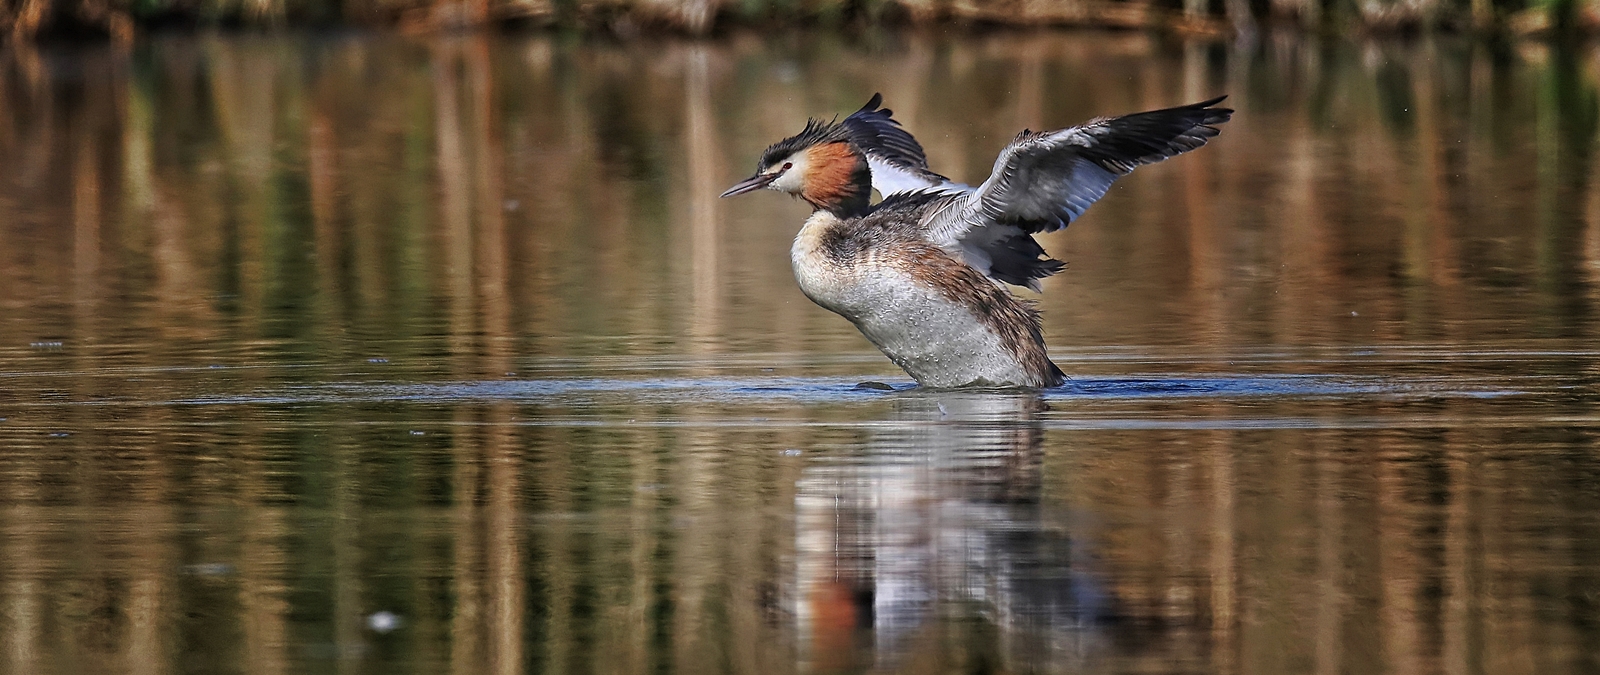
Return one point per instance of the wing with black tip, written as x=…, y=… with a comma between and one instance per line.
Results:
x=1043, y=181
x=895, y=157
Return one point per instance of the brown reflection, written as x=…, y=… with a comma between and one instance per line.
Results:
x=322, y=178
x=148, y=558
x=1331, y=603
x=262, y=560
x=1592, y=235
x=467, y=621
x=1461, y=648
x=1224, y=564
x=503, y=461
x=704, y=222
x=86, y=206
x=467, y=207
x=487, y=624
x=24, y=593
x=455, y=194
x=221, y=226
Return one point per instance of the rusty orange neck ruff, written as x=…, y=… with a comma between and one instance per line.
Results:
x=838, y=180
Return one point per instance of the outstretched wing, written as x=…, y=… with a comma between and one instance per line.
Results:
x=894, y=156
x=1044, y=181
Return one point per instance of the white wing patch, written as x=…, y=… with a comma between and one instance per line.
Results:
x=888, y=178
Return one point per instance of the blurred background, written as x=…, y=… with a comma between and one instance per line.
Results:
x=335, y=339
x=122, y=19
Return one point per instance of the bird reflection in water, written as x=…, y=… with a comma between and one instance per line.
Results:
x=933, y=544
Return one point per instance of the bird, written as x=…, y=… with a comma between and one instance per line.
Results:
x=922, y=273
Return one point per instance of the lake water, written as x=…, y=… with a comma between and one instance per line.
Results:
x=348, y=353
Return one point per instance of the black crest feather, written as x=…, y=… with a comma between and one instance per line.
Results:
x=876, y=132
x=871, y=130
x=816, y=131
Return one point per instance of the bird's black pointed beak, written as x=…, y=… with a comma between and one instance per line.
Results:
x=751, y=184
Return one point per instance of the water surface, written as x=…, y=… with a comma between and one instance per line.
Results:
x=352, y=353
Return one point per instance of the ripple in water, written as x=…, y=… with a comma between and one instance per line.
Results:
x=825, y=389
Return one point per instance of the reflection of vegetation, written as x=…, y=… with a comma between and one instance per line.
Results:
x=1393, y=85
x=257, y=194
x=461, y=206
x=1566, y=126
x=119, y=18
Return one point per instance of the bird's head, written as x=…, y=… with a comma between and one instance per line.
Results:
x=819, y=165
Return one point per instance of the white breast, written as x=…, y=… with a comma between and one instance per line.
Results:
x=939, y=342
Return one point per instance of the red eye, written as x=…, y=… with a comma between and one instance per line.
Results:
x=787, y=166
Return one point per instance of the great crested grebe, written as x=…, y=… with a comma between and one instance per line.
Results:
x=921, y=272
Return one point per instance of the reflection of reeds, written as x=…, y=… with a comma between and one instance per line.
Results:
x=487, y=199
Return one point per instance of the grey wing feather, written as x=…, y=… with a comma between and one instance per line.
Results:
x=1043, y=181
x=896, y=159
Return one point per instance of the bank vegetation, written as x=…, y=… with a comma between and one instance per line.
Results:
x=123, y=19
